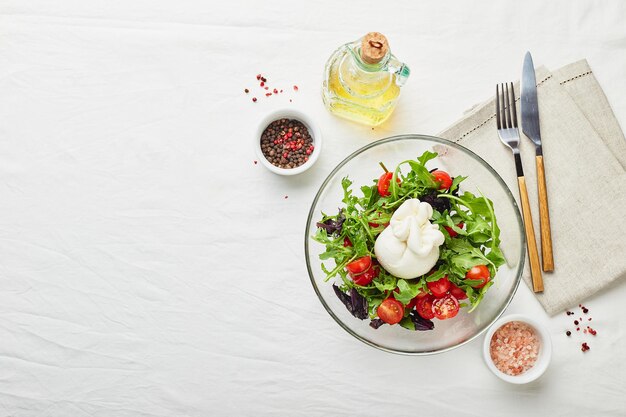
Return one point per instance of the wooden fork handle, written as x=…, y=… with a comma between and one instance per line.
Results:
x=531, y=243
x=544, y=217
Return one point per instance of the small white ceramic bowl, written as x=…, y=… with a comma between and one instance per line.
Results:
x=543, y=359
x=314, y=131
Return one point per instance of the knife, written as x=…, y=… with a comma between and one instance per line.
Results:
x=530, y=127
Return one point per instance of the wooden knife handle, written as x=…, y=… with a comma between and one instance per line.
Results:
x=544, y=217
x=531, y=243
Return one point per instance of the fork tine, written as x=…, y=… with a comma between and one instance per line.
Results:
x=498, y=125
x=513, y=106
x=503, y=107
x=507, y=107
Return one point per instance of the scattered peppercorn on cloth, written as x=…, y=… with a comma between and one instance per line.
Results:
x=585, y=159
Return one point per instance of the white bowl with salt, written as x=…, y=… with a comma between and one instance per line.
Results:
x=517, y=349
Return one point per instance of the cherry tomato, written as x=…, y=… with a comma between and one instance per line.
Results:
x=440, y=287
x=458, y=293
x=424, y=307
x=446, y=307
x=444, y=180
x=374, y=225
x=479, y=272
x=451, y=231
x=346, y=242
x=412, y=303
x=415, y=299
x=365, y=278
x=390, y=311
x=360, y=265
x=383, y=183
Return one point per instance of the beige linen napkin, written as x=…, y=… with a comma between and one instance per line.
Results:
x=585, y=159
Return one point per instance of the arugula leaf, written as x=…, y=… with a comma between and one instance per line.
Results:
x=416, y=181
x=407, y=323
x=348, y=199
x=370, y=196
x=407, y=291
x=437, y=275
x=423, y=175
x=426, y=156
x=456, y=181
x=496, y=257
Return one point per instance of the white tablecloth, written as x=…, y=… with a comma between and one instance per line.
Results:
x=149, y=268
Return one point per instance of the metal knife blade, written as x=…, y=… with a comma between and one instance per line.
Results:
x=529, y=104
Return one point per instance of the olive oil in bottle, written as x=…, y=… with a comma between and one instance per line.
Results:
x=362, y=80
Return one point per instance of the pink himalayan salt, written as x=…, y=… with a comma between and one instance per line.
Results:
x=514, y=348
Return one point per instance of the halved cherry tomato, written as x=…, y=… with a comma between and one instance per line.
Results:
x=458, y=293
x=424, y=306
x=360, y=265
x=443, y=178
x=390, y=311
x=440, y=287
x=384, y=182
x=365, y=278
x=479, y=272
x=346, y=242
x=451, y=231
x=446, y=307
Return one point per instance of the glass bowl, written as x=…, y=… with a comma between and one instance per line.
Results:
x=362, y=166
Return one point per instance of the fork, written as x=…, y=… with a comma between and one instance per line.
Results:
x=506, y=122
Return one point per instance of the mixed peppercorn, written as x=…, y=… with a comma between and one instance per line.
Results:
x=287, y=143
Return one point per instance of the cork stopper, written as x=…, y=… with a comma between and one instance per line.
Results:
x=374, y=47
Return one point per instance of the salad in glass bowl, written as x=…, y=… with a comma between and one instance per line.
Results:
x=411, y=247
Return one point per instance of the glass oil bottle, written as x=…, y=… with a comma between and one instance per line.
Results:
x=362, y=80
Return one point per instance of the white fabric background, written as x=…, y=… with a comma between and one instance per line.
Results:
x=149, y=268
